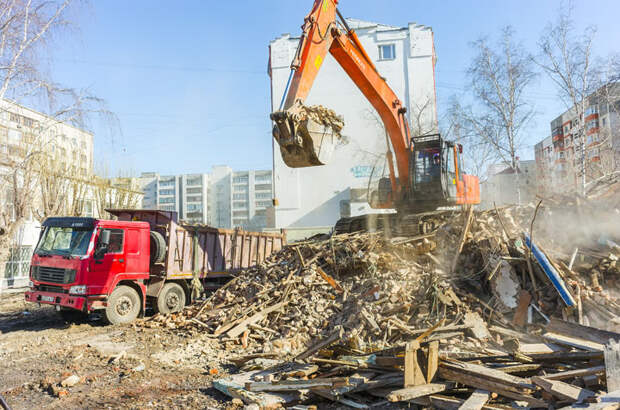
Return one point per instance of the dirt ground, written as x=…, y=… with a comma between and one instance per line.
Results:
x=118, y=366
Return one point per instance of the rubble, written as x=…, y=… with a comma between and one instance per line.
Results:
x=467, y=315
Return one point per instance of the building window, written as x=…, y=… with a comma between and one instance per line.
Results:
x=194, y=181
x=166, y=192
x=239, y=196
x=194, y=199
x=263, y=195
x=166, y=200
x=263, y=203
x=194, y=190
x=243, y=179
x=387, y=52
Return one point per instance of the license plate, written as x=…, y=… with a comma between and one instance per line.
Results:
x=47, y=298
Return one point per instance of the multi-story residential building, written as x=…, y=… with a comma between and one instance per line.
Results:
x=559, y=157
x=223, y=198
x=186, y=194
x=25, y=131
x=315, y=196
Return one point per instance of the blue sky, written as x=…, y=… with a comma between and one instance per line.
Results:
x=188, y=79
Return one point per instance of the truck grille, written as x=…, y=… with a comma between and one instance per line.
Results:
x=50, y=288
x=49, y=274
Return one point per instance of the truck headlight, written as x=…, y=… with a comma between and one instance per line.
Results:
x=78, y=290
x=30, y=284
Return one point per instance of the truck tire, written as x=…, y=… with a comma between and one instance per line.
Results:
x=123, y=305
x=158, y=247
x=171, y=299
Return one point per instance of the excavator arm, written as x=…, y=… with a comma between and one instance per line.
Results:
x=307, y=135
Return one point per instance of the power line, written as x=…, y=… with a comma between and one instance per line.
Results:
x=161, y=67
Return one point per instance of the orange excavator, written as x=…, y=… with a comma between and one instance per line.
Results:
x=427, y=174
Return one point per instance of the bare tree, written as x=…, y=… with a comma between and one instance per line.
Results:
x=495, y=122
x=27, y=30
x=567, y=60
x=478, y=154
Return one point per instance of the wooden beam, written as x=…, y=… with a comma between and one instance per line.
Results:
x=414, y=392
x=575, y=373
x=520, y=315
x=561, y=390
x=476, y=401
x=413, y=372
x=612, y=365
x=581, y=332
x=433, y=360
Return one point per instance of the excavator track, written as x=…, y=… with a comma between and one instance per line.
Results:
x=397, y=225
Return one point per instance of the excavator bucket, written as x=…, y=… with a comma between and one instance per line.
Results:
x=307, y=135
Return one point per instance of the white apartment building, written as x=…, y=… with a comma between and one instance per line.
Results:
x=23, y=130
x=186, y=194
x=405, y=56
x=223, y=198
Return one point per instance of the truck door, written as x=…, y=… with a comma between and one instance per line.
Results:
x=111, y=262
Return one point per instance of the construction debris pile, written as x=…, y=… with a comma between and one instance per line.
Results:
x=490, y=309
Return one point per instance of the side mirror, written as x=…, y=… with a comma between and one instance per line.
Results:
x=102, y=244
x=104, y=238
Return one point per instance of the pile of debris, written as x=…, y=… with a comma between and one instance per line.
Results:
x=467, y=313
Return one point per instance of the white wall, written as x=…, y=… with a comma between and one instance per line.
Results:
x=311, y=196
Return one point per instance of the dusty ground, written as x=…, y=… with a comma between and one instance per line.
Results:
x=153, y=369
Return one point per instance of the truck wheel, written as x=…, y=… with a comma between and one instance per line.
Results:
x=158, y=247
x=171, y=298
x=123, y=305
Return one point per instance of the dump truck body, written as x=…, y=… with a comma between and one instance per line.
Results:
x=146, y=256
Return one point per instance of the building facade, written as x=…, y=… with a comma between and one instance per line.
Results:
x=504, y=186
x=315, y=196
x=559, y=157
x=222, y=198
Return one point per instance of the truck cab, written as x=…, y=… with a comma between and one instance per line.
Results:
x=79, y=263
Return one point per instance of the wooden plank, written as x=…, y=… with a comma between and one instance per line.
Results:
x=413, y=372
x=294, y=385
x=575, y=373
x=591, y=334
x=609, y=401
x=241, y=327
x=482, y=383
x=468, y=220
x=333, y=338
x=492, y=375
x=612, y=365
x=476, y=401
x=574, y=342
x=439, y=401
x=563, y=391
x=432, y=361
x=520, y=315
x=414, y=392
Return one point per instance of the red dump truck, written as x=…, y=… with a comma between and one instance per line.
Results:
x=146, y=257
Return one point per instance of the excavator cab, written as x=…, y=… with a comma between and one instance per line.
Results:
x=434, y=172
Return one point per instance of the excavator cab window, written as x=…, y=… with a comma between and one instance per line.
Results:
x=427, y=166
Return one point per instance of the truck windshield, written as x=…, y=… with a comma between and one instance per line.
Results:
x=58, y=240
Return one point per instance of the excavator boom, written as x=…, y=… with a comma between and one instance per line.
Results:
x=428, y=168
